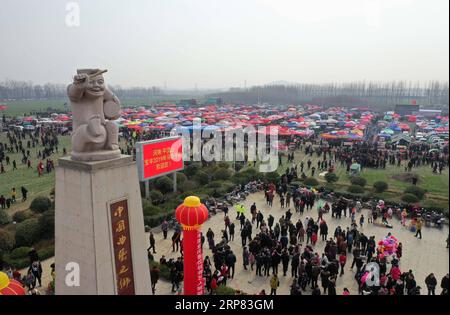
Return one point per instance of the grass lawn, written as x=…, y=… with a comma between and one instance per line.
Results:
x=24, y=108
x=28, y=178
x=436, y=185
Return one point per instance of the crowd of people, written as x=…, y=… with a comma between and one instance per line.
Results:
x=32, y=279
x=286, y=247
x=37, y=148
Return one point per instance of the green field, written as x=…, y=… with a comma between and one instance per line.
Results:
x=437, y=186
x=23, y=108
x=29, y=178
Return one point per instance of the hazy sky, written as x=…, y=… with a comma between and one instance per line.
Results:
x=222, y=43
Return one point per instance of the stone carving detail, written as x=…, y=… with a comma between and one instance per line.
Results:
x=95, y=136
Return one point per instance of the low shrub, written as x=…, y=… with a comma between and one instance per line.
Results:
x=156, y=220
x=156, y=197
x=192, y=169
x=272, y=177
x=380, y=186
x=215, y=184
x=4, y=218
x=356, y=189
x=360, y=181
x=23, y=262
x=181, y=178
x=20, y=252
x=27, y=232
x=221, y=174
x=331, y=177
x=416, y=191
x=311, y=181
x=7, y=241
x=41, y=204
x=47, y=224
x=223, y=164
x=410, y=198
x=224, y=290
x=202, y=177
x=164, y=184
x=188, y=185
x=21, y=216
x=151, y=210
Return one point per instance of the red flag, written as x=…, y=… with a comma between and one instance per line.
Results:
x=3, y=107
x=414, y=102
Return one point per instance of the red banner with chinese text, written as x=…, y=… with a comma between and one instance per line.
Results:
x=162, y=157
x=122, y=248
x=193, y=263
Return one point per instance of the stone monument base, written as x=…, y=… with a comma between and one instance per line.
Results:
x=99, y=227
x=101, y=155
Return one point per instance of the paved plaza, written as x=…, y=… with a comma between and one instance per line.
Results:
x=423, y=256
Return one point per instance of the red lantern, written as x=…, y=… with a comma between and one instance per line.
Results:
x=10, y=286
x=192, y=214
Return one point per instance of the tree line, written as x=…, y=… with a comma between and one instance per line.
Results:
x=351, y=94
x=21, y=90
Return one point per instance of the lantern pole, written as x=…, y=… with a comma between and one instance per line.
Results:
x=175, y=182
x=191, y=214
x=147, y=189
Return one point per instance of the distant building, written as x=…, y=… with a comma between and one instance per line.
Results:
x=188, y=102
x=406, y=109
x=214, y=101
x=429, y=113
x=401, y=139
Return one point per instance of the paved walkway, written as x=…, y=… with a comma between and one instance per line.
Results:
x=423, y=256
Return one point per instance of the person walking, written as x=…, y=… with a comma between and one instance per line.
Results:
x=36, y=270
x=176, y=241
x=431, y=283
x=13, y=195
x=174, y=279
x=231, y=263
x=231, y=229
x=419, y=225
x=154, y=275
x=245, y=257
x=152, y=243
x=165, y=228
x=24, y=193
x=342, y=262
x=444, y=285
x=274, y=284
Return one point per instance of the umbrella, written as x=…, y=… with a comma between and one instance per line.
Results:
x=10, y=286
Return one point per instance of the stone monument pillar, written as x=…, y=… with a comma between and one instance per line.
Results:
x=99, y=225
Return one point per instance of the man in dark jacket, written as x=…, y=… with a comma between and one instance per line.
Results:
x=259, y=218
x=431, y=283
x=154, y=275
x=270, y=221
x=444, y=285
x=294, y=265
x=230, y=260
x=285, y=261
